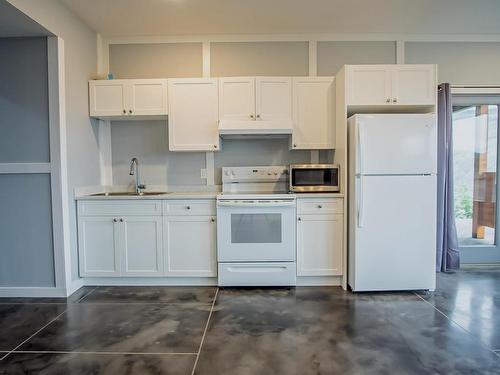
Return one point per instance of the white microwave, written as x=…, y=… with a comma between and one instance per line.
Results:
x=310, y=178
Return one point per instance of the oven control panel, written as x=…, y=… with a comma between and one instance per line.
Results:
x=254, y=174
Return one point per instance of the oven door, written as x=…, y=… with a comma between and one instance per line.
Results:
x=255, y=231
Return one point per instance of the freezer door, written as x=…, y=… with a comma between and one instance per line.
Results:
x=392, y=242
x=395, y=144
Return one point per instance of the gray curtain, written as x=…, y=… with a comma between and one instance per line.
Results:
x=448, y=256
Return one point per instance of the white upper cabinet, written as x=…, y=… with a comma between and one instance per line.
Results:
x=369, y=84
x=236, y=98
x=107, y=98
x=313, y=113
x=148, y=97
x=126, y=99
x=414, y=84
x=391, y=85
x=273, y=98
x=193, y=114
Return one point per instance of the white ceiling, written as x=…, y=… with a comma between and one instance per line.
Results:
x=188, y=17
x=14, y=23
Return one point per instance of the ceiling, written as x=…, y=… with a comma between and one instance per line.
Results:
x=14, y=23
x=196, y=17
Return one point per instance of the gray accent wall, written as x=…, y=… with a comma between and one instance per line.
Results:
x=26, y=247
x=468, y=63
x=333, y=55
x=24, y=123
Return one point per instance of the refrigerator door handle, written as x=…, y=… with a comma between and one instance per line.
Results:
x=361, y=216
x=361, y=152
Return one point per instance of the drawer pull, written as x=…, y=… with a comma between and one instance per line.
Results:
x=115, y=220
x=320, y=206
x=188, y=207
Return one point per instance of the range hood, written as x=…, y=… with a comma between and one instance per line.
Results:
x=255, y=129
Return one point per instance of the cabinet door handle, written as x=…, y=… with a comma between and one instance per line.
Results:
x=215, y=146
x=299, y=219
x=388, y=100
x=121, y=220
x=258, y=116
x=395, y=100
x=212, y=220
x=251, y=116
x=320, y=206
x=124, y=111
x=188, y=207
x=294, y=145
x=115, y=220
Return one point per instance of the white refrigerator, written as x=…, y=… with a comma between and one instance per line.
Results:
x=392, y=202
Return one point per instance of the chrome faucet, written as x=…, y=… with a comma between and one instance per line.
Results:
x=139, y=188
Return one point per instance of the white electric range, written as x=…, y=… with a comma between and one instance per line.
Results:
x=256, y=227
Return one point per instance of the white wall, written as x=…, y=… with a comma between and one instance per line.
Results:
x=80, y=48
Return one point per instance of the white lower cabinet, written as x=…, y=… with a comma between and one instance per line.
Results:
x=98, y=242
x=190, y=245
x=142, y=246
x=320, y=241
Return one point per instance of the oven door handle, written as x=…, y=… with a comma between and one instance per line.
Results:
x=256, y=204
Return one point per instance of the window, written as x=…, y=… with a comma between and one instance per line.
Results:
x=475, y=139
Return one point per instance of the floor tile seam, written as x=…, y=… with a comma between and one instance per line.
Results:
x=34, y=334
x=205, y=331
x=99, y=352
x=460, y=326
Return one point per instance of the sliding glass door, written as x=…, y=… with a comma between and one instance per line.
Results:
x=475, y=158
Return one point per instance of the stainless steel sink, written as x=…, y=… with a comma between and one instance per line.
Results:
x=128, y=194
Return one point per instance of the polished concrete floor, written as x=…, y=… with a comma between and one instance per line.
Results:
x=149, y=330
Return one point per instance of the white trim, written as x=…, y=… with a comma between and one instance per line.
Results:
x=32, y=292
x=205, y=57
x=74, y=286
x=58, y=156
x=313, y=58
x=150, y=281
x=23, y=168
x=105, y=152
x=314, y=156
x=475, y=90
x=302, y=38
x=210, y=166
x=400, y=52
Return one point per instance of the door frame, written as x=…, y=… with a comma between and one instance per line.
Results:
x=483, y=254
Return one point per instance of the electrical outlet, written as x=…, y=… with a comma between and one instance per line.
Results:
x=203, y=173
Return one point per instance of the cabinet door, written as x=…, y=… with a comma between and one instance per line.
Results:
x=147, y=97
x=414, y=84
x=98, y=246
x=369, y=85
x=313, y=123
x=236, y=98
x=107, y=98
x=273, y=98
x=190, y=245
x=141, y=245
x=319, y=245
x=193, y=114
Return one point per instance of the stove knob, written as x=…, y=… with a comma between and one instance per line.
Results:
x=233, y=174
x=226, y=173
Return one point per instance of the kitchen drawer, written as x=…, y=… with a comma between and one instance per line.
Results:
x=257, y=274
x=320, y=206
x=189, y=207
x=118, y=207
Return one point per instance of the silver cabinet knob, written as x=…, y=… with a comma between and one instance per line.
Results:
x=395, y=100
x=188, y=207
x=320, y=206
x=124, y=111
x=212, y=220
x=251, y=116
x=258, y=116
x=215, y=146
x=129, y=111
x=294, y=145
x=388, y=100
x=121, y=220
x=115, y=220
x=299, y=219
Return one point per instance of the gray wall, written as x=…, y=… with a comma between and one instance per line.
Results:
x=458, y=62
x=26, y=248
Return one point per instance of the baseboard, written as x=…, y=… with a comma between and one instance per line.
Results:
x=319, y=281
x=32, y=292
x=75, y=285
x=150, y=281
